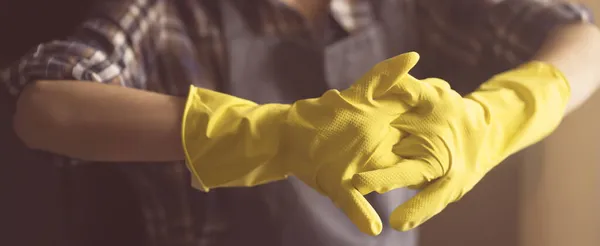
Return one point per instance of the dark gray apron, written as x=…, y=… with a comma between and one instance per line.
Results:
x=268, y=69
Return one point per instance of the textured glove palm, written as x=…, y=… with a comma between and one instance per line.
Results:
x=323, y=141
x=455, y=141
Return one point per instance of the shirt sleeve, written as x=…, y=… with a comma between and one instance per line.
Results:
x=468, y=41
x=111, y=46
x=142, y=44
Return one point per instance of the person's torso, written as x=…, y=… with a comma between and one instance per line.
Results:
x=266, y=54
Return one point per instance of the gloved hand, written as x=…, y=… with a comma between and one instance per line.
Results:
x=455, y=141
x=323, y=141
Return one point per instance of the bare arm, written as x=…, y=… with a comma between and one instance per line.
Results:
x=575, y=51
x=99, y=122
x=75, y=97
x=132, y=125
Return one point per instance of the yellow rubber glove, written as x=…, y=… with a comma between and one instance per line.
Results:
x=455, y=141
x=323, y=141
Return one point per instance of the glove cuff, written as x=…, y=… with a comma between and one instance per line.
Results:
x=523, y=105
x=229, y=141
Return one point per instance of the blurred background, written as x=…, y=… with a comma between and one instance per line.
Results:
x=545, y=196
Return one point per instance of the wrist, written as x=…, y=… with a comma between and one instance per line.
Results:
x=523, y=105
x=574, y=50
x=229, y=141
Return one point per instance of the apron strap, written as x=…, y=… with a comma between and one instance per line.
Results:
x=233, y=23
x=398, y=19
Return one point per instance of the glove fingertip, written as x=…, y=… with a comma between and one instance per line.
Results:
x=373, y=228
x=362, y=214
x=376, y=228
x=413, y=58
x=401, y=225
x=404, y=62
x=423, y=206
x=405, y=218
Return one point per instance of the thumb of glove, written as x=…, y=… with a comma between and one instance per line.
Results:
x=384, y=76
x=423, y=206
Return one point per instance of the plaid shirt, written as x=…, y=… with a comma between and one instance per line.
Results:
x=163, y=46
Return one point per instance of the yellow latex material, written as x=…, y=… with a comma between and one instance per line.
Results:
x=455, y=141
x=323, y=141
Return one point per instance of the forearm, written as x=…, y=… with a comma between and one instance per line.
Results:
x=575, y=51
x=98, y=122
x=526, y=104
